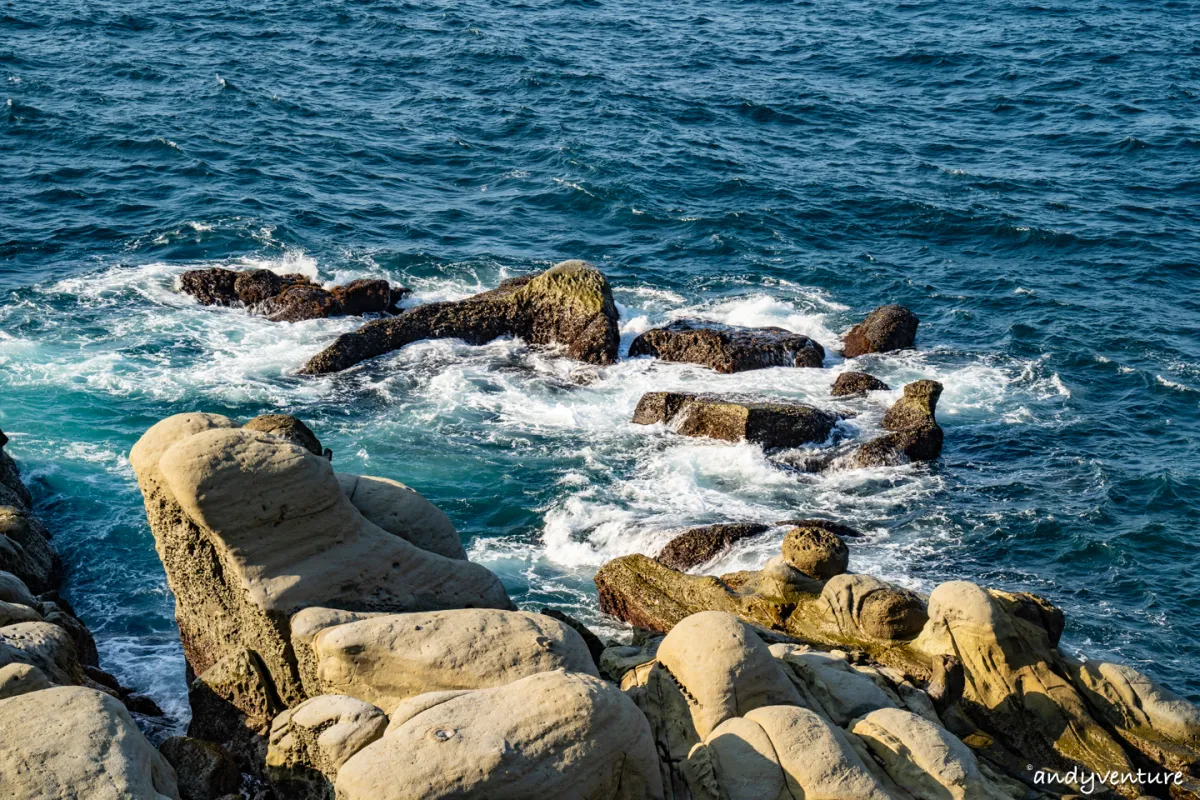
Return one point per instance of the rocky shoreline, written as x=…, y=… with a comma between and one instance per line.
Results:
x=340, y=644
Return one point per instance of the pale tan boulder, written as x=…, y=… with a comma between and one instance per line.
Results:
x=252, y=528
x=233, y=703
x=724, y=668
x=18, y=679
x=551, y=735
x=305, y=625
x=386, y=659
x=923, y=758
x=42, y=645
x=780, y=753
x=866, y=608
x=832, y=685
x=1154, y=719
x=72, y=743
x=311, y=742
x=403, y=512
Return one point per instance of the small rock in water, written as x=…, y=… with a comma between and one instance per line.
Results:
x=728, y=349
x=850, y=384
x=291, y=297
x=915, y=436
x=772, y=425
x=885, y=329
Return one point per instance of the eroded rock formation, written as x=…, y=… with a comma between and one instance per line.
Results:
x=885, y=329
x=569, y=305
x=772, y=425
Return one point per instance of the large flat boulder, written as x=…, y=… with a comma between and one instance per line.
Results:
x=569, y=305
x=253, y=528
x=728, y=349
x=772, y=425
x=554, y=734
x=77, y=744
x=386, y=659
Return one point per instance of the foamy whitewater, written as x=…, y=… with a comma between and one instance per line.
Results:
x=1023, y=177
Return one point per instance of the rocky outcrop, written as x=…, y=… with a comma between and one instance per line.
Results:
x=915, y=434
x=252, y=528
x=311, y=742
x=852, y=384
x=69, y=741
x=233, y=703
x=953, y=695
x=728, y=349
x=288, y=298
x=885, y=329
x=699, y=545
x=289, y=428
x=773, y=425
x=816, y=551
x=554, y=734
x=569, y=305
x=386, y=659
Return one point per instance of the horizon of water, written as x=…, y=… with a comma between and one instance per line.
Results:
x=1025, y=178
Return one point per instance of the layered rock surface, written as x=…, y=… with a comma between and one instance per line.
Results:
x=728, y=349
x=569, y=305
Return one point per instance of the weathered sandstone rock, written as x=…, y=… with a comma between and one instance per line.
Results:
x=403, y=512
x=916, y=435
x=12, y=490
x=554, y=734
x=72, y=742
x=772, y=425
x=780, y=753
x=288, y=298
x=569, y=305
x=42, y=645
x=923, y=758
x=287, y=427
x=203, y=770
x=699, y=545
x=311, y=742
x=727, y=349
x=816, y=552
x=885, y=329
x=20, y=678
x=25, y=550
x=233, y=703
x=850, y=384
x=594, y=645
x=862, y=607
x=386, y=659
x=252, y=528
x=831, y=686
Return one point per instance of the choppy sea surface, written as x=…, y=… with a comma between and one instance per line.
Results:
x=1025, y=176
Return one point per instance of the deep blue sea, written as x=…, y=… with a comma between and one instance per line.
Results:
x=1025, y=176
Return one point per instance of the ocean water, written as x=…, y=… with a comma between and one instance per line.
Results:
x=1025, y=176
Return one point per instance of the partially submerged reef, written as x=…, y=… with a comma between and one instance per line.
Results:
x=340, y=644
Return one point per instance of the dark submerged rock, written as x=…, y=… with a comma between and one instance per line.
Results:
x=836, y=528
x=569, y=305
x=212, y=287
x=702, y=544
x=849, y=384
x=885, y=329
x=728, y=349
x=916, y=435
x=363, y=296
x=772, y=425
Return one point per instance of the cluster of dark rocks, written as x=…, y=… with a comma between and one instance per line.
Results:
x=292, y=297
